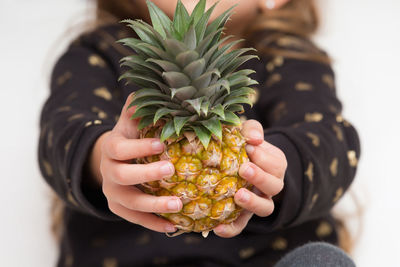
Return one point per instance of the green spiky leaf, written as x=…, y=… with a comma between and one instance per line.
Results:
x=236, y=63
x=185, y=58
x=204, y=108
x=150, y=92
x=181, y=19
x=144, y=33
x=161, y=113
x=237, y=100
x=198, y=11
x=167, y=131
x=231, y=118
x=195, y=69
x=183, y=93
x=244, y=91
x=165, y=65
x=205, y=79
x=179, y=122
x=176, y=79
x=190, y=38
x=201, y=26
x=236, y=108
x=195, y=104
x=142, y=112
x=144, y=122
x=214, y=126
x=203, y=134
x=218, y=23
x=219, y=110
x=159, y=20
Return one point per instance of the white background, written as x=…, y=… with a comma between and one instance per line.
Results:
x=362, y=36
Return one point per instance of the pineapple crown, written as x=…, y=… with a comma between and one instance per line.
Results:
x=188, y=78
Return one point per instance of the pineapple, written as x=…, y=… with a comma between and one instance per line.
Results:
x=191, y=90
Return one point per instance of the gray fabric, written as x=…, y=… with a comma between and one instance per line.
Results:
x=316, y=254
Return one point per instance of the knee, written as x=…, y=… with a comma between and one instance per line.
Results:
x=316, y=254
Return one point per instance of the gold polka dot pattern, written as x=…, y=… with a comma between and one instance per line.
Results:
x=273, y=79
x=334, y=167
x=110, y=262
x=314, y=139
x=75, y=117
x=324, y=229
x=313, y=201
x=47, y=168
x=310, y=171
x=313, y=117
x=96, y=61
x=279, y=243
x=352, y=157
x=103, y=93
x=339, y=194
x=246, y=252
x=302, y=86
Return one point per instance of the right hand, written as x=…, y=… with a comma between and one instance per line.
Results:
x=118, y=177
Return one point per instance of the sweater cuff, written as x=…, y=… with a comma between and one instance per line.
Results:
x=288, y=202
x=90, y=198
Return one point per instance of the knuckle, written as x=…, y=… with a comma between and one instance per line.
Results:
x=267, y=210
x=119, y=175
x=153, y=171
x=281, y=185
x=112, y=207
x=131, y=203
x=251, y=205
x=281, y=157
x=159, y=205
x=277, y=186
x=114, y=149
x=283, y=163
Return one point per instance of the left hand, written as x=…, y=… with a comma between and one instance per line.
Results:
x=265, y=171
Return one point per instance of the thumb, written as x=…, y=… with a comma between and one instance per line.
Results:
x=253, y=131
x=125, y=125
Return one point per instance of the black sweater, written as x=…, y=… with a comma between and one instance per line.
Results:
x=300, y=112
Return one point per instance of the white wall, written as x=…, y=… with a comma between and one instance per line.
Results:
x=361, y=35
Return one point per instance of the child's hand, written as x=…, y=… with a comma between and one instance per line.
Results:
x=118, y=177
x=265, y=172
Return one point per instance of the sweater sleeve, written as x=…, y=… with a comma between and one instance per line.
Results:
x=83, y=103
x=301, y=115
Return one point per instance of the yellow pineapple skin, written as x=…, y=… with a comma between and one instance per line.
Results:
x=205, y=180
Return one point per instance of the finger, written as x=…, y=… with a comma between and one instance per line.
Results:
x=134, y=199
x=261, y=206
x=147, y=220
x=125, y=125
x=265, y=182
x=234, y=228
x=132, y=174
x=120, y=148
x=269, y=158
x=253, y=131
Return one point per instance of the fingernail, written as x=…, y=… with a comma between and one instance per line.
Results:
x=249, y=149
x=248, y=172
x=256, y=135
x=170, y=228
x=173, y=205
x=167, y=169
x=244, y=196
x=157, y=146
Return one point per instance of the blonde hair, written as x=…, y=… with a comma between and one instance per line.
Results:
x=290, y=26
